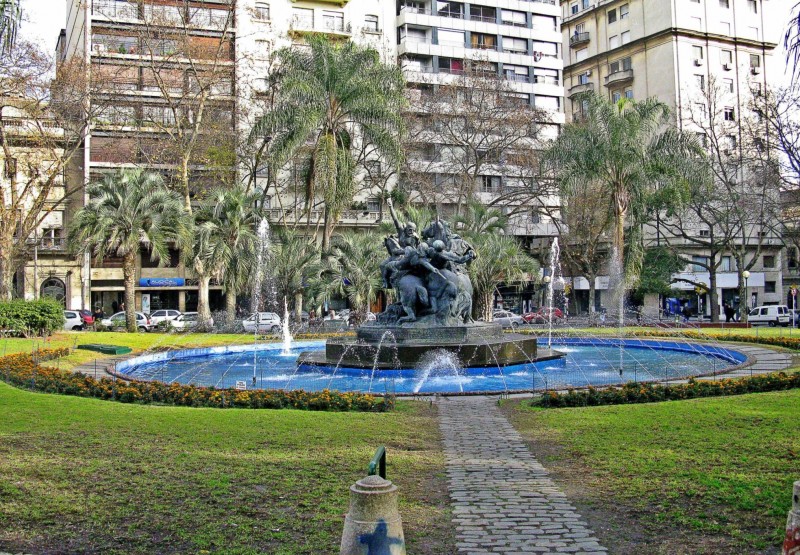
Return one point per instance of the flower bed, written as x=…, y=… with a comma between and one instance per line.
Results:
x=648, y=393
x=23, y=370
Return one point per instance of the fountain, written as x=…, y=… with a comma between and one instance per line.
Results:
x=287, y=335
x=429, y=275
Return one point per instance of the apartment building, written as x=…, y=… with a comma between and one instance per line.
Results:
x=677, y=51
x=153, y=68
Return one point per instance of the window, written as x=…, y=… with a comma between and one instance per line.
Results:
x=515, y=45
x=373, y=205
x=769, y=287
x=481, y=41
x=303, y=18
x=451, y=65
x=702, y=139
x=262, y=11
x=547, y=102
x=583, y=79
x=704, y=233
x=516, y=73
x=726, y=4
x=701, y=82
x=623, y=64
x=623, y=11
x=753, y=5
x=451, y=37
x=450, y=9
x=726, y=57
x=729, y=114
x=731, y=143
x=333, y=21
x=612, y=16
x=727, y=85
x=725, y=264
x=755, y=60
x=629, y=93
x=791, y=253
x=769, y=261
x=699, y=109
x=483, y=13
x=613, y=41
x=539, y=22
x=489, y=183
x=518, y=19
x=536, y=217
x=697, y=52
x=371, y=23
x=616, y=96
x=573, y=9
x=626, y=37
x=582, y=54
x=700, y=263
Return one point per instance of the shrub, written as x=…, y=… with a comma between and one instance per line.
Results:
x=23, y=370
x=634, y=392
x=27, y=318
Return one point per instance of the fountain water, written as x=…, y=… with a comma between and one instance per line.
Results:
x=287, y=335
x=439, y=362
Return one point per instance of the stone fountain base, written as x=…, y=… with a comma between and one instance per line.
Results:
x=390, y=347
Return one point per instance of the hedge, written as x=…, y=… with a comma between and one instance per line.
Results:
x=27, y=318
x=24, y=370
x=634, y=392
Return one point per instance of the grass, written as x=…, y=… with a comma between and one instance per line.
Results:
x=81, y=475
x=720, y=468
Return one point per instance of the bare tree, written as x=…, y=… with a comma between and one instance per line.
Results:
x=473, y=136
x=41, y=124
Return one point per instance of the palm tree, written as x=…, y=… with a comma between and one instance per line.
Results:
x=338, y=98
x=479, y=218
x=225, y=242
x=633, y=151
x=500, y=260
x=126, y=210
x=294, y=263
x=354, y=270
x=10, y=14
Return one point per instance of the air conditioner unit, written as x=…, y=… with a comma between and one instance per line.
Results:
x=727, y=67
x=588, y=73
x=755, y=70
x=698, y=61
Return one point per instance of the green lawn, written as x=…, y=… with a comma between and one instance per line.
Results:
x=81, y=475
x=715, y=471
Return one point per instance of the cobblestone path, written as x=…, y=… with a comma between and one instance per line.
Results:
x=503, y=500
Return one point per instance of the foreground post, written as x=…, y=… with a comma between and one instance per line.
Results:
x=791, y=546
x=372, y=525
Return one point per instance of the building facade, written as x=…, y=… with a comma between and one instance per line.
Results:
x=689, y=54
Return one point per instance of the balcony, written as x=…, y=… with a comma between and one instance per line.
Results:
x=300, y=26
x=622, y=76
x=578, y=39
x=580, y=88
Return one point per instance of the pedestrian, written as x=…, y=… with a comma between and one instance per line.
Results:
x=686, y=312
x=122, y=306
x=728, y=313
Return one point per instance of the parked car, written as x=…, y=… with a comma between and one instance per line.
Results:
x=73, y=320
x=262, y=322
x=542, y=315
x=164, y=316
x=118, y=321
x=86, y=316
x=507, y=319
x=187, y=321
x=773, y=315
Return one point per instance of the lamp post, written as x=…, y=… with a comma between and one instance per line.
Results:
x=746, y=276
x=546, y=283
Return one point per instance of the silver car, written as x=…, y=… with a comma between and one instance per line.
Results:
x=508, y=319
x=159, y=316
x=262, y=322
x=118, y=321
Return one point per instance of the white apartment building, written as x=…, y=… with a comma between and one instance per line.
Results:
x=675, y=50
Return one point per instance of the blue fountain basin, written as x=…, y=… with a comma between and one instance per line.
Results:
x=588, y=361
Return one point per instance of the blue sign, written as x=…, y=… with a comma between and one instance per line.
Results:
x=161, y=282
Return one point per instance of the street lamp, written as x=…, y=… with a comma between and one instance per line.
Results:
x=746, y=276
x=546, y=283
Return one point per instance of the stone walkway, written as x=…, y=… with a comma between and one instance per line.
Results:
x=98, y=368
x=503, y=500
x=765, y=361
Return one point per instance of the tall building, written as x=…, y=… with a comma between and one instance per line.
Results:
x=680, y=51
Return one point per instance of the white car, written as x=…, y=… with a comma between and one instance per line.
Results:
x=187, y=321
x=262, y=322
x=118, y=321
x=73, y=320
x=773, y=315
x=164, y=316
x=508, y=319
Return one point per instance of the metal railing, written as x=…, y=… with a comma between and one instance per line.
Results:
x=377, y=466
x=578, y=38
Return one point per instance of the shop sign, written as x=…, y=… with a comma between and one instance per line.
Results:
x=161, y=282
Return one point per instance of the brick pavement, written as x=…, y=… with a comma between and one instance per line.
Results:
x=503, y=500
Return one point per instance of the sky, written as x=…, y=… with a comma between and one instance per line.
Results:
x=43, y=19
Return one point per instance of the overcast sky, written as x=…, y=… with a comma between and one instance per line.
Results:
x=43, y=19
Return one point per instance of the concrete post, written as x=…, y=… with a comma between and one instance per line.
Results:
x=791, y=546
x=372, y=525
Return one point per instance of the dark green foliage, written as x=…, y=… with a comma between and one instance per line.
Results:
x=41, y=317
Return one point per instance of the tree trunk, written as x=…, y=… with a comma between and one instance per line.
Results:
x=298, y=307
x=7, y=274
x=482, y=306
x=619, y=263
x=326, y=231
x=592, y=299
x=712, y=293
x=230, y=306
x=743, y=300
x=187, y=199
x=203, y=309
x=129, y=279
